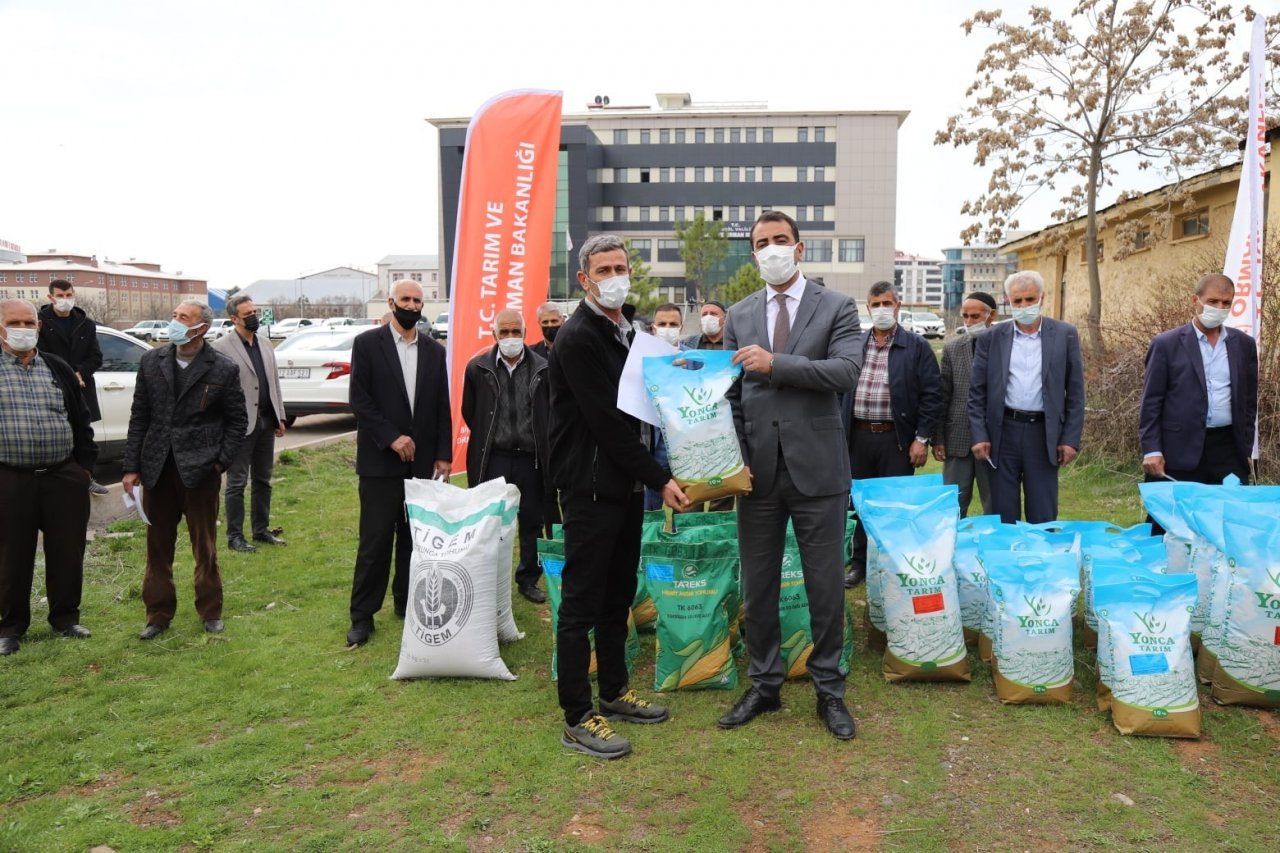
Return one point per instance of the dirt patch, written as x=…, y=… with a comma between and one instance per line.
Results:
x=152, y=810
x=1270, y=721
x=104, y=782
x=586, y=829
x=405, y=766
x=841, y=830
x=1195, y=753
x=758, y=825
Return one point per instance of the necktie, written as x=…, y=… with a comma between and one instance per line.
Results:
x=782, y=326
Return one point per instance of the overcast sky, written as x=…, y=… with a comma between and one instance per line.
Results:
x=239, y=140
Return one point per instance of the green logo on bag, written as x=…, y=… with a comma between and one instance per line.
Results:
x=1160, y=713
x=715, y=481
x=690, y=571
x=699, y=396
x=1039, y=688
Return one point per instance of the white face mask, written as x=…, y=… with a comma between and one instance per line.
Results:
x=1026, y=315
x=777, y=263
x=710, y=324
x=883, y=319
x=1212, y=317
x=613, y=291
x=64, y=306
x=21, y=339
x=511, y=347
x=670, y=334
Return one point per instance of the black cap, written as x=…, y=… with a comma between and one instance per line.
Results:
x=985, y=298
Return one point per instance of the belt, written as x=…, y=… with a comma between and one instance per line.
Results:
x=1215, y=430
x=47, y=469
x=873, y=426
x=1023, y=416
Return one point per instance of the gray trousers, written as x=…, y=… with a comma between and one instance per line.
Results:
x=964, y=471
x=819, y=524
x=255, y=460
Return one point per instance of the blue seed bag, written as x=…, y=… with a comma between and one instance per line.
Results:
x=1035, y=599
x=1248, y=670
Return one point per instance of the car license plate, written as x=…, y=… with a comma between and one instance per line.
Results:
x=294, y=372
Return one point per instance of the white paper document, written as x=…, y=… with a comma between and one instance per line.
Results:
x=632, y=398
x=131, y=502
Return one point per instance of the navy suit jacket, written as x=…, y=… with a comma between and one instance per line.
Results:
x=915, y=389
x=382, y=412
x=1061, y=378
x=1175, y=398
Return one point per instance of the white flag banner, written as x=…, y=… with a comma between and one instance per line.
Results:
x=1244, y=246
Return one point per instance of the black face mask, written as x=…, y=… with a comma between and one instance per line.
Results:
x=405, y=317
x=251, y=323
x=549, y=333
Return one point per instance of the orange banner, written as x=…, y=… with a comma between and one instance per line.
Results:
x=506, y=215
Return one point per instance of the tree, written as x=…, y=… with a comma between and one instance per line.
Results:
x=644, y=286
x=744, y=282
x=702, y=246
x=1066, y=103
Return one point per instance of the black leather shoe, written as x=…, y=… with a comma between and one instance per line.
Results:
x=214, y=626
x=152, y=631
x=752, y=704
x=238, y=544
x=854, y=576
x=532, y=593
x=832, y=711
x=75, y=632
x=9, y=646
x=358, y=635
x=269, y=537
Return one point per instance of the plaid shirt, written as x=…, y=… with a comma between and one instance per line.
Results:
x=871, y=397
x=35, y=428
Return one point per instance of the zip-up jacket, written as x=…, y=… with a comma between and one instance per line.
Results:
x=481, y=393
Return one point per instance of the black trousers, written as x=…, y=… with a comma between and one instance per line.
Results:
x=521, y=470
x=874, y=454
x=382, y=522
x=1024, y=479
x=601, y=557
x=254, y=461
x=1218, y=459
x=55, y=503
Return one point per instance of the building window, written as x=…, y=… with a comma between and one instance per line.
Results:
x=819, y=134
x=853, y=251
x=749, y=212
x=768, y=174
x=735, y=134
x=768, y=134
x=680, y=212
x=644, y=176
x=620, y=176
x=619, y=214
x=731, y=213
x=819, y=213
x=802, y=173
x=680, y=135
x=1142, y=239
x=818, y=251
x=645, y=137
x=699, y=135
x=680, y=174
x=717, y=214
x=3, y=277
x=802, y=134
x=802, y=213
x=644, y=213
x=717, y=174
x=415, y=276
x=751, y=174
x=1194, y=225
x=698, y=174
x=819, y=174
x=668, y=250
x=666, y=175
x=641, y=249
x=751, y=134
x=433, y=278
x=664, y=135
x=718, y=134
x=664, y=213
x=619, y=137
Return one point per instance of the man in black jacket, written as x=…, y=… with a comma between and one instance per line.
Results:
x=600, y=462
x=400, y=396
x=891, y=414
x=504, y=403
x=69, y=333
x=185, y=428
x=46, y=453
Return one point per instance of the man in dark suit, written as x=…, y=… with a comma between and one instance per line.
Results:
x=400, y=397
x=550, y=319
x=890, y=416
x=797, y=343
x=1026, y=403
x=951, y=441
x=186, y=426
x=1200, y=394
x=69, y=333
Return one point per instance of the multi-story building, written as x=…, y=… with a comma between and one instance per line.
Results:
x=424, y=269
x=918, y=279
x=966, y=269
x=113, y=293
x=639, y=171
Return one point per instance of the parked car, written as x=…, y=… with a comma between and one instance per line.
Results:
x=115, y=380
x=150, y=330
x=314, y=367
x=219, y=328
x=924, y=323
x=285, y=328
x=441, y=327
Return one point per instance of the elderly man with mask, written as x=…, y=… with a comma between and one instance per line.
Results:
x=711, y=322
x=505, y=402
x=185, y=429
x=46, y=454
x=550, y=319
x=951, y=444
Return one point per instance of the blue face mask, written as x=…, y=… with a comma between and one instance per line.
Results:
x=180, y=333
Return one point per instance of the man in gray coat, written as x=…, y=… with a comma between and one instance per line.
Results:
x=797, y=343
x=951, y=442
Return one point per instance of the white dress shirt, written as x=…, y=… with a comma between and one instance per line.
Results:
x=408, y=352
x=1025, y=390
x=793, y=294
x=1217, y=379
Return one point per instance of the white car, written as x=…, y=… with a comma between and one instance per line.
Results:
x=924, y=323
x=440, y=328
x=219, y=328
x=150, y=330
x=285, y=328
x=115, y=380
x=315, y=371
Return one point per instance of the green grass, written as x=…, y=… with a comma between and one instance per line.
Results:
x=274, y=736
